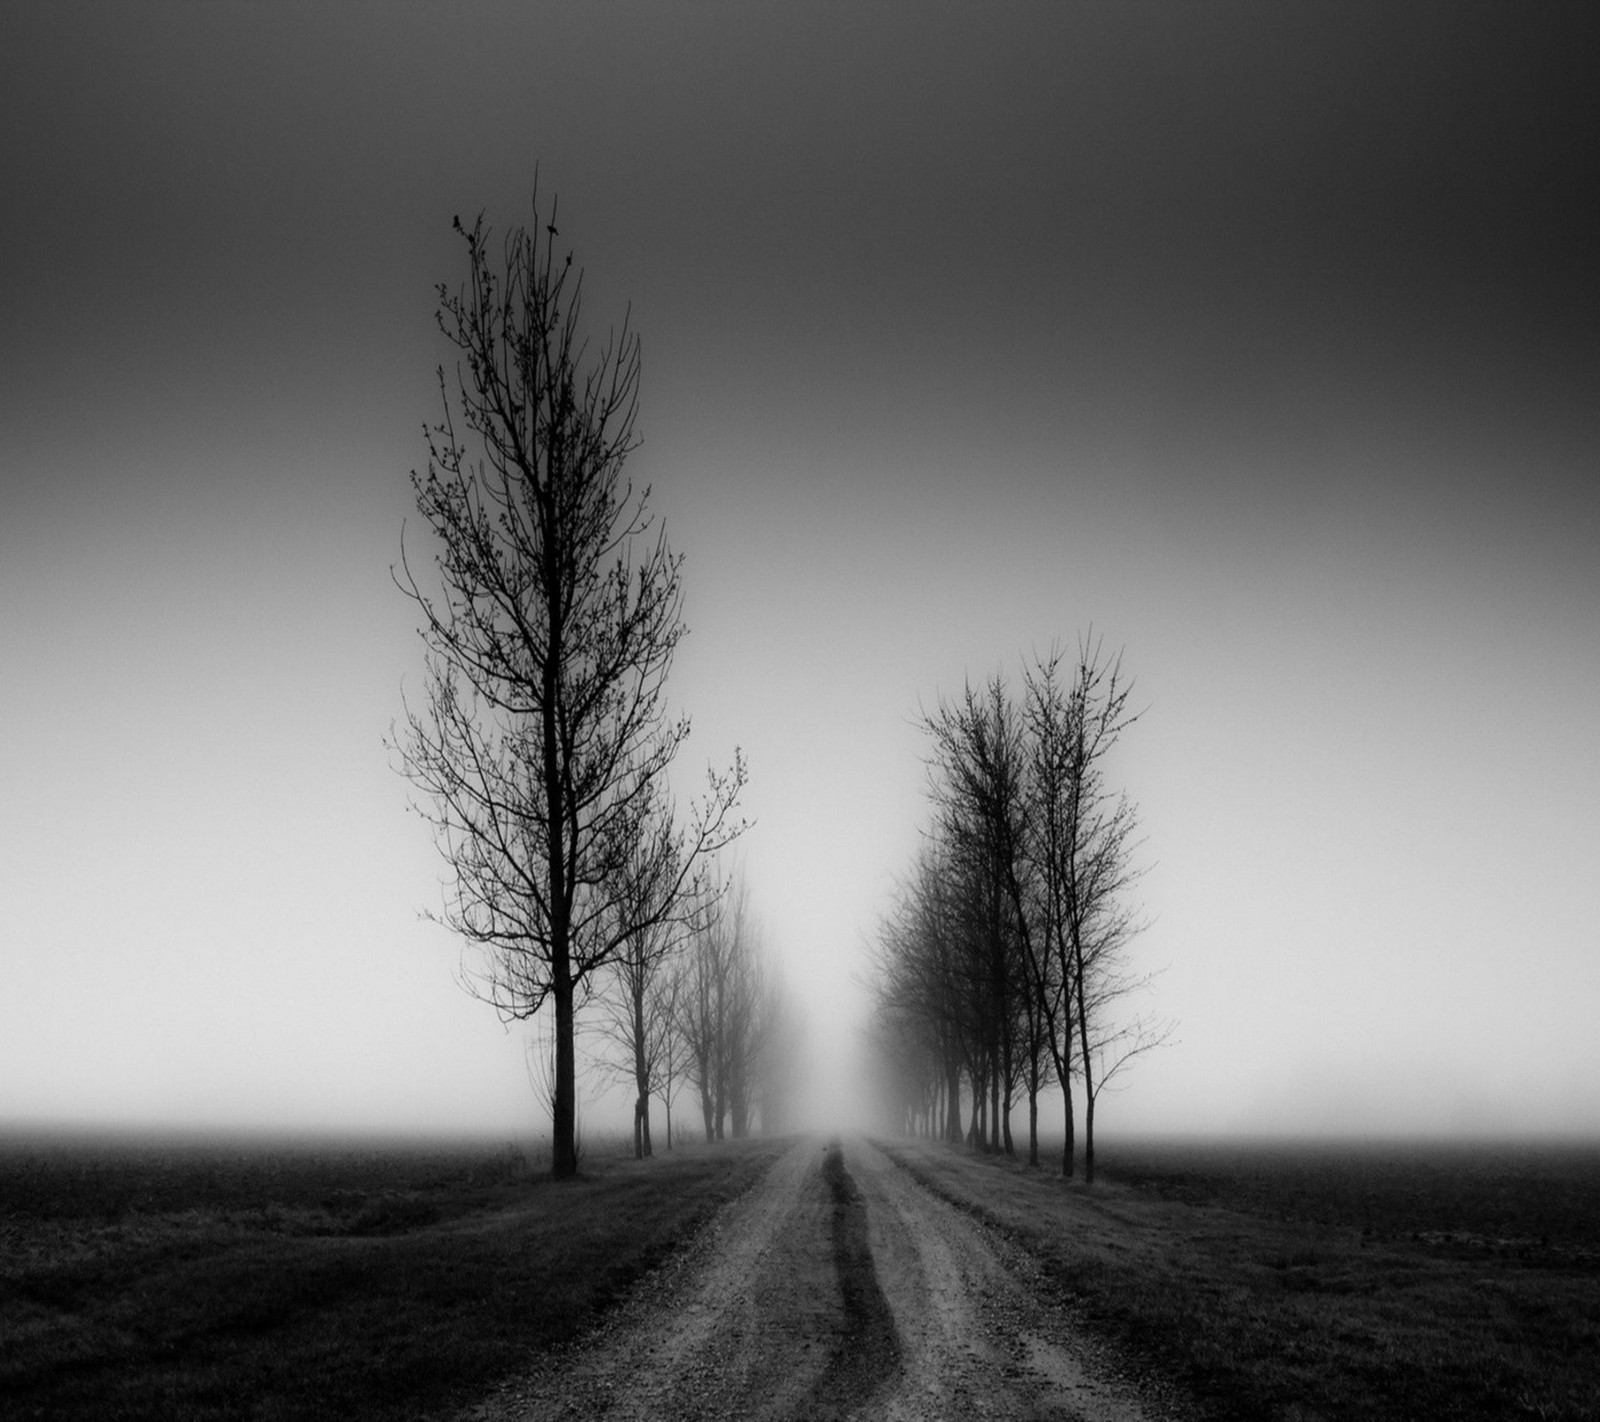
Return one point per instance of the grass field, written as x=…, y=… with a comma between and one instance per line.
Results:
x=142, y=1279
x=233, y=1279
x=1297, y=1280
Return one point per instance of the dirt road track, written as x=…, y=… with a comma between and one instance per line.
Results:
x=838, y=1287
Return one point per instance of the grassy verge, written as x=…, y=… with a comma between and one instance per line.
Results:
x=1306, y=1283
x=203, y=1283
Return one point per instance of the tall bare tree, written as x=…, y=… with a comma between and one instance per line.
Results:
x=700, y=999
x=1082, y=846
x=672, y=1057
x=636, y=1002
x=978, y=786
x=543, y=745
x=747, y=1005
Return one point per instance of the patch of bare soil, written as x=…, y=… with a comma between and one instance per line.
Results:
x=838, y=1287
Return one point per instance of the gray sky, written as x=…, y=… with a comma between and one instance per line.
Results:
x=1261, y=339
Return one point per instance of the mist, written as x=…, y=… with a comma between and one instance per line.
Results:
x=1262, y=344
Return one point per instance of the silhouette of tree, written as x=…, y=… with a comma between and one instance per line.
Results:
x=636, y=1000
x=542, y=750
x=978, y=768
x=1081, y=845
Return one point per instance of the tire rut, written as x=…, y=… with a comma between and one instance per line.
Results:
x=866, y=1361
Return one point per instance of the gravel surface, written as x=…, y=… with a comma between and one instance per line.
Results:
x=837, y=1287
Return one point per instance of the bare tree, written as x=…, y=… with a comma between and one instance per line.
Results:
x=700, y=999
x=1083, y=848
x=978, y=786
x=542, y=748
x=746, y=1005
x=637, y=1012
x=672, y=1054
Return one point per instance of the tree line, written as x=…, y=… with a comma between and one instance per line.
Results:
x=705, y=1009
x=541, y=750
x=1001, y=968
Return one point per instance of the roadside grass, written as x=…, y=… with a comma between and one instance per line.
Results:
x=221, y=1281
x=1321, y=1281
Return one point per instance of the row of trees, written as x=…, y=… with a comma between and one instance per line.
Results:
x=1004, y=960
x=706, y=1008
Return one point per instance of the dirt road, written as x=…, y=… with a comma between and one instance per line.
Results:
x=837, y=1288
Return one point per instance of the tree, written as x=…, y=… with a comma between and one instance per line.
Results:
x=637, y=1001
x=1082, y=847
x=672, y=1060
x=542, y=750
x=978, y=786
x=701, y=996
x=746, y=1006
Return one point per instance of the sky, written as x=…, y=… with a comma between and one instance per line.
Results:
x=1262, y=341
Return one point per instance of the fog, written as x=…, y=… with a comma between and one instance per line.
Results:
x=1261, y=342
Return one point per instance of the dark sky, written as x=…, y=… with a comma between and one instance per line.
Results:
x=1261, y=338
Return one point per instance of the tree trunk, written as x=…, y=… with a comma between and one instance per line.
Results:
x=1088, y=1082
x=1008, y=1080
x=641, y=1127
x=722, y=1047
x=564, y=1113
x=1069, y=1147
x=641, y=1072
x=564, y=1122
x=1088, y=1140
x=993, y=1144
x=1033, y=1124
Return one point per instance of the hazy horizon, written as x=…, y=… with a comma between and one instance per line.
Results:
x=1262, y=341
x=616, y=1138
